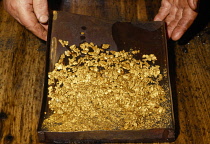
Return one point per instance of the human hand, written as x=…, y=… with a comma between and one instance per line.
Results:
x=178, y=15
x=33, y=14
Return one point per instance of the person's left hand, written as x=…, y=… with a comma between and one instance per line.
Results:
x=33, y=14
x=178, y=15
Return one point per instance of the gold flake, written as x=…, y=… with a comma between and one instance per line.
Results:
x=105, y=90
x=105, y=46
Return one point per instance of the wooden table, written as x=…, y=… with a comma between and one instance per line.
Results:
x=22, y=65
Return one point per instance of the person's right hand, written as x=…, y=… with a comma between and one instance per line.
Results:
x=33, y=14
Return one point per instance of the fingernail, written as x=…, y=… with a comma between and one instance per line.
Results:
x=43, y=19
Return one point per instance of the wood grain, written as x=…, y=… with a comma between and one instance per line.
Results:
x=22, y=64
x=21, y=69
x=123, y=10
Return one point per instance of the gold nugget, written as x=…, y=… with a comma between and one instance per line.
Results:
x=105, y=90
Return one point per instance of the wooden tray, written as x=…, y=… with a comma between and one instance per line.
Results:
x=149, y=37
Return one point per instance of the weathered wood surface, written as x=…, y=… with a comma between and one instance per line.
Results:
x=22, y=63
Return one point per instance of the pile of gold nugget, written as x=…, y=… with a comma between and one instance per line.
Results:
x=92, y=88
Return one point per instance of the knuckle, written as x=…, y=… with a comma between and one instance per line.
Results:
x=182, y=27
x=42, y=4
x=31, y=27
x=9, y=7
x=165, y=3
x=170, y=26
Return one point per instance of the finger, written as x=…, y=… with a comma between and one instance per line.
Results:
x=41, y=10
x=185, y=22
x=193, y=4
x=163, y=11
x=29, y=20
x=171, y=15
x=171, y=26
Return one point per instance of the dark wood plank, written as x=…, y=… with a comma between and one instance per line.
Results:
x=123, y=10
x=21, y=69
x=193, y=92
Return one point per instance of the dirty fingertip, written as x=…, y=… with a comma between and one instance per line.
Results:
x=43, y=19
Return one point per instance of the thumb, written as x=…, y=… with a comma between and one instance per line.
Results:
x=193, y=4
x=41, y=10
